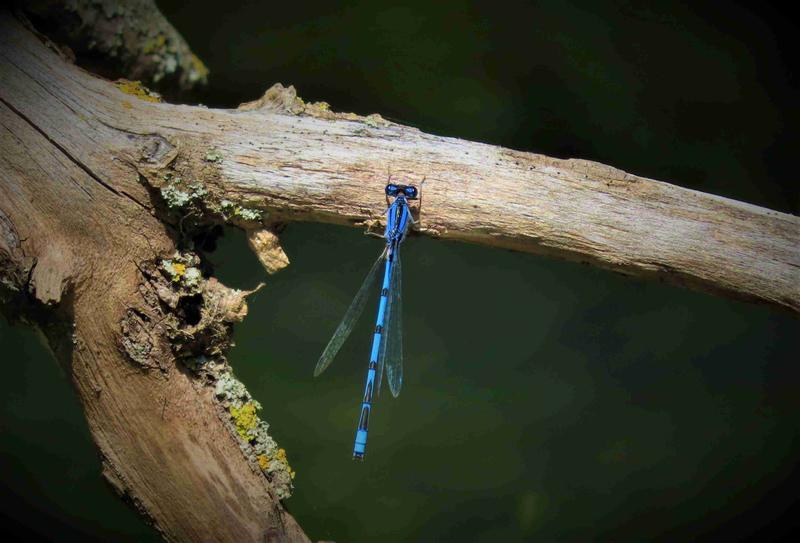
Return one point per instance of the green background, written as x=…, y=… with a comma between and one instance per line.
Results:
x=544, y=400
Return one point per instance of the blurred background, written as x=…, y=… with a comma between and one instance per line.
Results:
x=544, y=400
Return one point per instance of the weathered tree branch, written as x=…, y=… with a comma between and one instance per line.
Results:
x=138, y=328
x=315, y=165
x=116, y=38
x=302, y=162
x=97, y=185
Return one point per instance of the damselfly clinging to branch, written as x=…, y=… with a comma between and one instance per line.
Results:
x=387, y=341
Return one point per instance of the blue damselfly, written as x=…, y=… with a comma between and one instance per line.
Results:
x=387, y=340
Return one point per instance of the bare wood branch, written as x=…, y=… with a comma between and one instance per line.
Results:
x=80, y=251
x=130, y=39
x=314, y=168
x=302, y=162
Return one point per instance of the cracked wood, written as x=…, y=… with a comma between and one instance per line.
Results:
x=302, y=162
x=76, y=225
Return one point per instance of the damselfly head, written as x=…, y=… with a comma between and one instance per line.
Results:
x=409, y=191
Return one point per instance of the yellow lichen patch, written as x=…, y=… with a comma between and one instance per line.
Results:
x=280, y=456
x=263, y=461
x=245, y=419
x=135, y=88
x=179, y=270
x=199, y=70
x=154, y=45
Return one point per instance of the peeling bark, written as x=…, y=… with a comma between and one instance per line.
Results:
x=266, y=245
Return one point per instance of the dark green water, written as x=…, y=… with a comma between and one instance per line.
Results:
x=541, y=399
x=544, y=400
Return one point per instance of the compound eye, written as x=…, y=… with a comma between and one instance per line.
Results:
x=410, y=192
x=392, y=189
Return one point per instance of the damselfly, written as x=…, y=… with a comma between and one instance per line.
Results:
x=387, y=345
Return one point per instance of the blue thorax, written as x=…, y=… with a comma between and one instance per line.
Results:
x=397, y=221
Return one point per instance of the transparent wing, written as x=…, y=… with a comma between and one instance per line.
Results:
x=392, y=351
x=349, y=319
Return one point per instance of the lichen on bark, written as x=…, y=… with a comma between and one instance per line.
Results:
x=189, y=318
x=117, y=38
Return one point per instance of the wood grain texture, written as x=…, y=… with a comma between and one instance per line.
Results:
x=76, y=228
x=304, y=167
x=296, y=161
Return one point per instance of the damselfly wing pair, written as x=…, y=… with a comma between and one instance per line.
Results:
x=386, y=353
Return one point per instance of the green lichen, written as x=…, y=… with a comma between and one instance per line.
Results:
x=165, y=55
x=137, y=348
x=182, y=270
x=197, y=70
x=168, y=57
x=140, y=351
x=192, y=277
x=167, y=62
x=254, y=433
x=178, y=198
x=154, y=45
x=198, y=190
x=213, y=156
x=247, y=214
x=374, y=120
x=174, y=197
x=273, y=461
x=170, y=64
x=227, y=206
x=276, y=464
x=231, y=390
x=232, y=210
